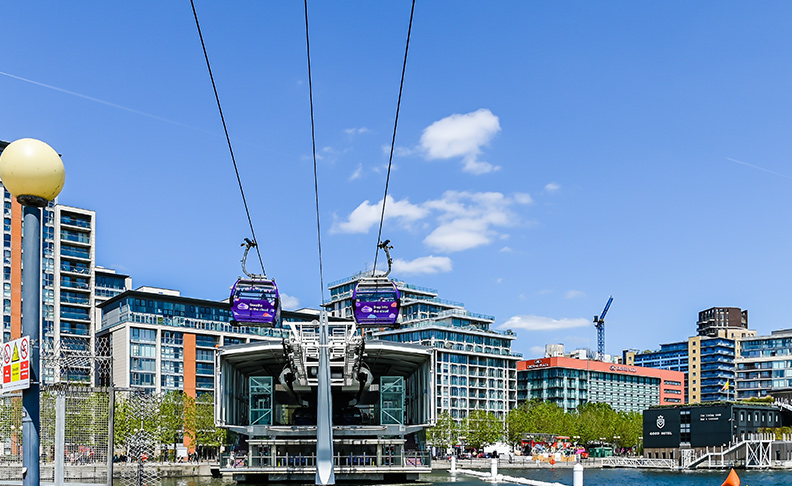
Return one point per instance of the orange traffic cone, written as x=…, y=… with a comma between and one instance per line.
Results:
x=732, y=480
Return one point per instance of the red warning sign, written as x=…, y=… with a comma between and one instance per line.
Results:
x=16, y=364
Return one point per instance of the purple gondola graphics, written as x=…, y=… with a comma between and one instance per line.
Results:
x=255, y=302
x=376, y=299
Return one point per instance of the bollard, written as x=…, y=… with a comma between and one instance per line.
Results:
x=577, y=475
x=494, y=468
x=453, y=464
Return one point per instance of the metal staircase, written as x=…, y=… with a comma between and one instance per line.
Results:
x=752, y=452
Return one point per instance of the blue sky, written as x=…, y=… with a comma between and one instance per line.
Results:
x=549, y=154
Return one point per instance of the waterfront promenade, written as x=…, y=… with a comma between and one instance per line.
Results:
x=516, y=462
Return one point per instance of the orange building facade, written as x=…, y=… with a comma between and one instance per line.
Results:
x=570, y=382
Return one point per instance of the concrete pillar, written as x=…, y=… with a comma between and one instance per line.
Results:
x=453, y=464
x=494, y=468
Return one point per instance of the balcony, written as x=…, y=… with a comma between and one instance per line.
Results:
x=77, y=316
x=82, y=239
x=66, y=267
x=78, y=223
x=74, y=252
x=68, y=299
x=75, y=284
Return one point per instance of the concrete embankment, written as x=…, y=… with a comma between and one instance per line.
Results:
x=168, y=470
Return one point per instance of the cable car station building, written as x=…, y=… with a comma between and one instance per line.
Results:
x=382, y=400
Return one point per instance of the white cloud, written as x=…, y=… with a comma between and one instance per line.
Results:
x=462, y=135
x=356, y=131
x=423, y=265
x=552, y=187
x=506, y=249
x=357, y=173
x=536, y=352
x=458, y=235
x=574, y=294
x=499, y=280
x=398, y=151
x=455, y=222
x=469, y=220
x=539, y=323
x=523, y=198
x=289, y=302
x=367, y=215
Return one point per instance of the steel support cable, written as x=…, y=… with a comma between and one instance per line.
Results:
x=228, y=139
x=313, y=148
x=393, y=139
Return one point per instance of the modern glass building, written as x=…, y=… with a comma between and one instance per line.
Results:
x=476, y=369
x=765, y=365
x=570, y=382
x=673, y=356
x=707, y=359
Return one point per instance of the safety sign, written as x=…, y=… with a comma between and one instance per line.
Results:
x=16, y=364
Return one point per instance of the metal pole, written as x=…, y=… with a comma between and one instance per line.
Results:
x=31, y=326
x=60, y=436
x=111, y=434
x=325, y=473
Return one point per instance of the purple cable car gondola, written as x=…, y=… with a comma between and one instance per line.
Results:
x=255, y=302
x=377, y=303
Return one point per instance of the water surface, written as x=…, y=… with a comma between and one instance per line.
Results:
x=591, y=477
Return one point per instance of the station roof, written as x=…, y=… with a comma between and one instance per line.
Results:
x=383, y=357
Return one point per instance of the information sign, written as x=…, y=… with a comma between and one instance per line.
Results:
x=16, y=364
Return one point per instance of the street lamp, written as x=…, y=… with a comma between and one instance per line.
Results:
x=32, y=172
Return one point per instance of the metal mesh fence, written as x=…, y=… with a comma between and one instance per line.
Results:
x=136, y=431
x=74, y=416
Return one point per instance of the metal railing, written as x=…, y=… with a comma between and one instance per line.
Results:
x=340, y=461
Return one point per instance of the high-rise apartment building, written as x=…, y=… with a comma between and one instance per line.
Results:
x=68, y=282
x=719, y=320
x=765, y=365
x=476, y=369
x=162, y=341
x=707, y=359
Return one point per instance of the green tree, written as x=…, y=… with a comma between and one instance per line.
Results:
x=483, y=429
x=594, y=421
x=537, y=416
x=171, y=418
x=629, y=426
x=445, y=433
x=206, y=433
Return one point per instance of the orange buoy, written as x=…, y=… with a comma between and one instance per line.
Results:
x=552, y=462
x=732, y=480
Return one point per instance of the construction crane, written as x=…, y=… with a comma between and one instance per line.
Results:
x=599, y=323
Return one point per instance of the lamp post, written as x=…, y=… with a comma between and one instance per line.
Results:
x=32, y=172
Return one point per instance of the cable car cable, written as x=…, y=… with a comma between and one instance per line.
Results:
x=393, y=139
x=313, y=146
x=228, y=138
